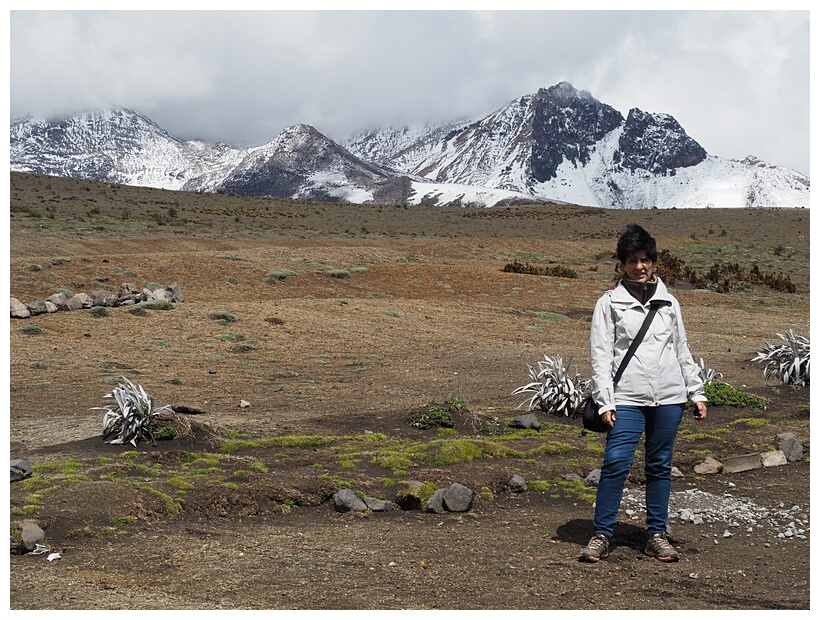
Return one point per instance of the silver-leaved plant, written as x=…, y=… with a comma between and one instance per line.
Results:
x=790, y=362
x=129, y=419
x=554, y=390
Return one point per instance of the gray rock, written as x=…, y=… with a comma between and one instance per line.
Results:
x=20, y=470
x=743, y=462
x=790, y=445
x=127, y=289
x=31, y=534
x=163, y=294
x=103, y=298
x=593, y=477
x=38, y=306
x=773, y=458
x=527, y=420
x=708, y=467
x=60, y=300
x=79, y=301
x=517, y=484
x=409, y=498
x=676, y=473
x=436, y=502
x=378, y=505
x=458, y=498
x=347, y=501
x=19, y=310
x=572, y=477
x=174, y=293
x=50, y=307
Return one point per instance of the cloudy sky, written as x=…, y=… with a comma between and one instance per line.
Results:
x=737, y=81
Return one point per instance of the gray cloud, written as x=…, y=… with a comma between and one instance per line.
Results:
x=738, y=81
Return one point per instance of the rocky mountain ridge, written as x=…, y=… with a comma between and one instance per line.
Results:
x=558, y=145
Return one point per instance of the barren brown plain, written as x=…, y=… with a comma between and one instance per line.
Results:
x=334, y=367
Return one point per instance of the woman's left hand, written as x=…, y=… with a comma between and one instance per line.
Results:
x=700, y=410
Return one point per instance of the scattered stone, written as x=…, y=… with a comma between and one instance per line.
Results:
x=243, y=404
x=435, y=503
x=79, y=301
x=458, y=498
x=59, y=299
x=174, y=293
x=38, y=306
x=19, y=310
x=127, y=295
x=378, y=505
x=20, y=470
x=127, y=288
x=708, y=467
x=744, y=462
x=409, y=498
x=30, y=535
x=593, y=477
x=347, y=501
x=572, y=477
x=773, y=458
x=103, y=298
x=676, y=473
x=790, y=445
x=526, y=421
x=517, y=484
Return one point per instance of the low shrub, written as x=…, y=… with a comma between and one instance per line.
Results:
x=720, y=394
x=222, y=317
x=559, y=271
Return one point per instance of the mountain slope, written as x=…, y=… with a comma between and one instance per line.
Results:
x=560, y=144
x=563, y=144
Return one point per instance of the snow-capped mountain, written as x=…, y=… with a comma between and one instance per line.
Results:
x=122, y=146
x=116, y=146
x=559, y=144
x=563, y=144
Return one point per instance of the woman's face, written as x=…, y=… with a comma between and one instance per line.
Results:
x=639, y=266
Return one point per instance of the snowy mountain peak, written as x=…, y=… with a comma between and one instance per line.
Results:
x=656, y=143
x=564, y=92
x=559, y=144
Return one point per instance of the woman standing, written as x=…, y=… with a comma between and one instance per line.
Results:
x=649, y=397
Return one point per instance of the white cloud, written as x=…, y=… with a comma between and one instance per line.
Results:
x=738, y=81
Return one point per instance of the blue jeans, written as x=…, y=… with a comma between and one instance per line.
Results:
x=661, y=426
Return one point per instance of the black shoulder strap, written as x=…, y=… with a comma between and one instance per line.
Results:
x=653, y=309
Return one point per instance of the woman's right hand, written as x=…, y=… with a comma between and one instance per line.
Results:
x=609, y=418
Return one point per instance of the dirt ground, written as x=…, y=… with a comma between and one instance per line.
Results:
x=382, y=312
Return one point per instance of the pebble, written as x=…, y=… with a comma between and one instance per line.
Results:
x=699, y=507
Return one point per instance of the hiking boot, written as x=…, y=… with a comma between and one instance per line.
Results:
x=658, y=547
x=597, y=548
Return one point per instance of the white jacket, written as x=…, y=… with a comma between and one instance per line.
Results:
x=662, y=371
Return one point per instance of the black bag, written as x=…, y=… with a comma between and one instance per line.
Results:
x=590, y=418
x=588, y=411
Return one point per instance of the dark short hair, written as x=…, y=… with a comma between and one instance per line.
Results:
x=635, y=239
